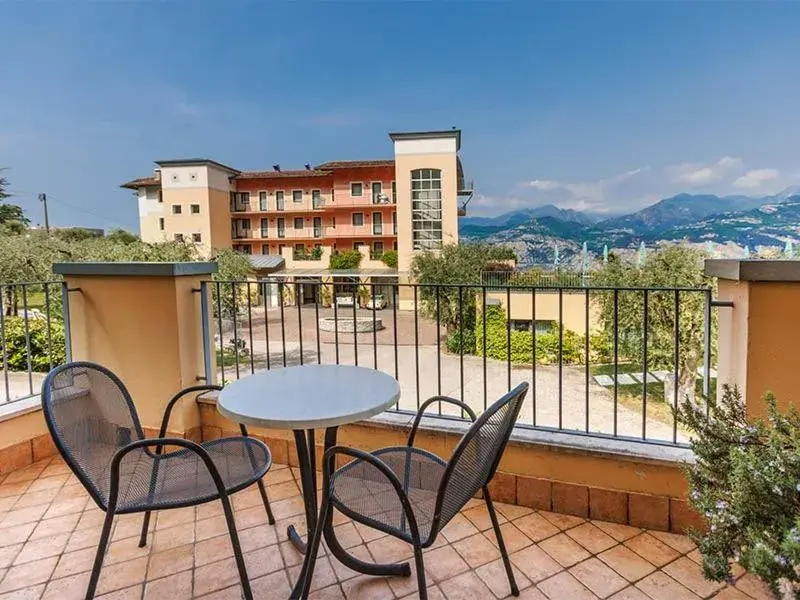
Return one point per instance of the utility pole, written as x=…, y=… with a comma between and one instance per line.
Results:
x=43, y=200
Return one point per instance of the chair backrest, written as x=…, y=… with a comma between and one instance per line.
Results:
x=477, y=455
x=90, y=416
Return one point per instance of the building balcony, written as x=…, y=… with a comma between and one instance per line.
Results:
x=358, y=231
x=590, y=492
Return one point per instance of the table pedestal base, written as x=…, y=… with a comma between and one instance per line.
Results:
x=306, y=458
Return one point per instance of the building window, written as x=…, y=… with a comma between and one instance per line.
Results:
x=357, y=189
x=300, y=249
x=195, y=209
x=394, y=223
x=279, y=200
x=177, y=209
x=298, y=222
x=264, y=228
x=426, y=208
x=280, y=248
x=197, y=238
x=377, y=248
x=297, y=195
x=317, y=227
x=281, y=227
x=178, y=237
x=262, y=200
x=264, y=248
x=161, y=223
x=377, y=192
x=394, y=246
x=358, y=219
x=394, y=192
x=357, y=245
x=316, y=199
x=377, y=223
x=160, y=196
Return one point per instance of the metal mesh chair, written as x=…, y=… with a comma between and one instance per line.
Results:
x=94, y=425
x=411, y=493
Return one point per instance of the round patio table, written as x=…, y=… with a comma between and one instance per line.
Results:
x=304, y=399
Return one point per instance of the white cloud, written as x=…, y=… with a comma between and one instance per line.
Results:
x=583, y=195
x=695, y=174
x=755, y=178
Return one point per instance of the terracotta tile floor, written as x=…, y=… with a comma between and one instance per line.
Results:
x=49, y=529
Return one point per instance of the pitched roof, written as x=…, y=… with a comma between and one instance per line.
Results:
x=266, y=261
x=190, y=162
x=135, y=184
x=355, y=164
x=279, y=174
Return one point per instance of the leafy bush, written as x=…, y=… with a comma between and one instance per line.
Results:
x=390, y=258
x=348, y=259
x=745, y=484
x=16, y=348
x=521, y=351
x=453, y=342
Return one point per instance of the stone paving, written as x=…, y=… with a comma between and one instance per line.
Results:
x=49, y=529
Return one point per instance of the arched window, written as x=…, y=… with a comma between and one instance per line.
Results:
x=426, y=208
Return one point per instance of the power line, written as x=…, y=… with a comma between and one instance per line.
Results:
x=88, y=212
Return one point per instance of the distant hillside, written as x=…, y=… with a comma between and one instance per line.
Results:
x=729, y=220
x=516, y=217
x=679, y=210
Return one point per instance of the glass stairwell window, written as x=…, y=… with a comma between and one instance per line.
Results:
x=426, y=209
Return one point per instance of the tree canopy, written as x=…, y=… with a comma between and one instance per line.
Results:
x=671, y=266
x=12, y=217
x=454, y=265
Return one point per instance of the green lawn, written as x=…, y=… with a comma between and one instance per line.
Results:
x=631, y=396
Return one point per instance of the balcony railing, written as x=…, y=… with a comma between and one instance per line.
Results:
x=240, y=207
x=34, y=336
x=591, y=372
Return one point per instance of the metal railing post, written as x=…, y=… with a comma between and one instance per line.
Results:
x=67, y=328
x=206, y=329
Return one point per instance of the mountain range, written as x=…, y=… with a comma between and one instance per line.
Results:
x=728, y=223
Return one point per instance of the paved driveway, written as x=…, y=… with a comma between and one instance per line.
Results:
x=424, y=372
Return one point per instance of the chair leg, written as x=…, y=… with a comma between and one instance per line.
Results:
x=145, y=527
x=313, y=548
x=500, y=543
x=101, y=552
x=263, y=489
x=422, y=586
x=237, y=548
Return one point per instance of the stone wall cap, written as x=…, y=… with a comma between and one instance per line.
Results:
x=140, y=269
x=753, y=270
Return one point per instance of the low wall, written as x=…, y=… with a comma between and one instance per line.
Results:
x=623, y=482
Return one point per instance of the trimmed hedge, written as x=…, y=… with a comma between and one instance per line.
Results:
x=348, y=259
x=16, y=347
x=522, y=342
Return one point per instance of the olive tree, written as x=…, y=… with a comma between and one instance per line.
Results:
x=668, y=268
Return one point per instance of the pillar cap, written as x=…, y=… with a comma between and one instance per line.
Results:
x=134, y=269
x=753, y=270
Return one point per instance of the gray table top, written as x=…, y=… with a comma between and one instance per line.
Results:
x=308, y=397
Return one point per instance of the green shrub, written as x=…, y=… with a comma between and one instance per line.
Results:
x=16, y=347
x=521, y=351
x=453, y=342
x=348, y=259
x=745, y=483
x=390, y=258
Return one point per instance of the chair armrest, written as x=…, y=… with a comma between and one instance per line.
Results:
x=168, y=411
x=430, y=401
x=329, y=460
x=159, y=443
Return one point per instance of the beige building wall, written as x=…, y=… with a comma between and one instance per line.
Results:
x=573, y=308
x=151, y=211
x=436, y=150
x=204, y=186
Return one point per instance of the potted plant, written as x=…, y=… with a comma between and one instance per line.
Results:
x=746, y=485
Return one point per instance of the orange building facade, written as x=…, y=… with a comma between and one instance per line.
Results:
x=342, y=205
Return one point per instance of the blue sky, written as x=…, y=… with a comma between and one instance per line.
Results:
x=599, y=106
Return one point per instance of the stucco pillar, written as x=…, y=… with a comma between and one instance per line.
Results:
x=142, y=321
x=759, y=337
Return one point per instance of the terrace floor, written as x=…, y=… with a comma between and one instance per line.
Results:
x=49, y=529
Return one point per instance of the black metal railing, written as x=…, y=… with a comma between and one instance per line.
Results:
x=541, y=279
x=606, y=362
x=34, y=335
